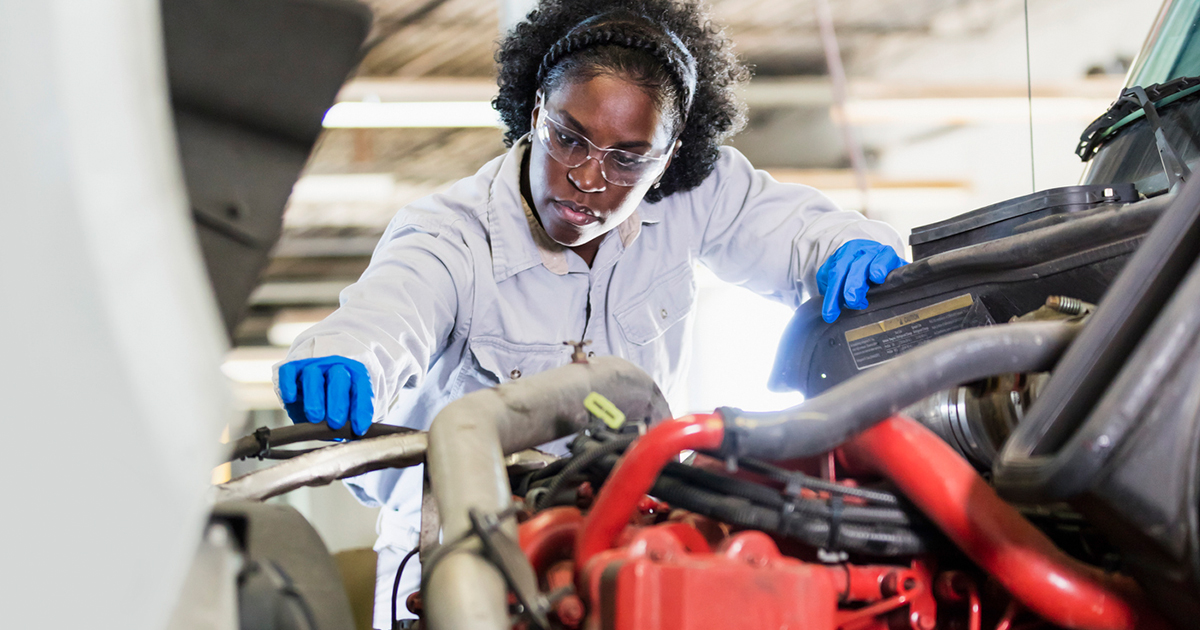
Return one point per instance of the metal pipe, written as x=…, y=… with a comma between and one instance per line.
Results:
x=635, y=474
x=467, y=443
x=251, y=445
x=326, y=465
x=820, y=424
x=1059, y=588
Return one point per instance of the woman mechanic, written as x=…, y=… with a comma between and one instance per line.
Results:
x=589, y=227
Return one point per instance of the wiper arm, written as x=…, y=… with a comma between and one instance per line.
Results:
x=1176, y=170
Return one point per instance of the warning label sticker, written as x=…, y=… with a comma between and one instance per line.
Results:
x=885, y=340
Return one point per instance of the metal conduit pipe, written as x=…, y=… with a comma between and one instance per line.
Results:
x=820, y=424
x=326, y=465
x=1059, y=588
x=465, y=463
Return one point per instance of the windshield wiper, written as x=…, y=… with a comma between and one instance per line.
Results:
x=1128, y=103
x=1131, y=100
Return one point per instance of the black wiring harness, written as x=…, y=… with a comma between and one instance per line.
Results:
x=854, y=520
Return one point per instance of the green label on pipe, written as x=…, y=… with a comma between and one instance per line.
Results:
x=603, y=408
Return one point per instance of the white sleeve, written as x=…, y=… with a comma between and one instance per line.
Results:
x=772, y=237
x=397, y=318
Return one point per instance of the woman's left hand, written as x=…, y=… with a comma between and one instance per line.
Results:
x=845, y=276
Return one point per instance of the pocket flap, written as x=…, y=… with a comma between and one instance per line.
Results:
x=505, y=361
x=663, y=305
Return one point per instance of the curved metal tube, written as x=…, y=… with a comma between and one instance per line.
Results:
x=820, y=424
x=249, y=445
x=634, y=475
x=326, y=465
x=467, y=443
x=1042, y=577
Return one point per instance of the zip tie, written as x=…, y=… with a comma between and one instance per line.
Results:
x=835, y=521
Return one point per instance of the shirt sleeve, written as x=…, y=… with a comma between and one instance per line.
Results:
x=397, y=318
x=771, y=237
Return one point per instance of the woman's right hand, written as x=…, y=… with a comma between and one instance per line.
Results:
x=328, y=389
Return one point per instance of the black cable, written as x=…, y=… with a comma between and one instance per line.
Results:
x=876, y=540
x=813, y=483
x=580, y=462
x=769, y=497
x=876, y=531
x=396, y=586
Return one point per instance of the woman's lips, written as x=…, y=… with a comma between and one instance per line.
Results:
x=575, y=215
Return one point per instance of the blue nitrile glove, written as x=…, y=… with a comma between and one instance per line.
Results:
x=846, y=273
x=328, y=389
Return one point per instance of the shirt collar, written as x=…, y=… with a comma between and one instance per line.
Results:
x=518, y=240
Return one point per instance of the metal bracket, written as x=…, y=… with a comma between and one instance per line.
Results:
x=506, y=554
x=1177, y=171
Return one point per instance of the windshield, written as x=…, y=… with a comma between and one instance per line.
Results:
x=1129, y=153
x=1172, y=49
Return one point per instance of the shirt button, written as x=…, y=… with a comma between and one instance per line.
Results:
x=515, y=374
x=664, y=313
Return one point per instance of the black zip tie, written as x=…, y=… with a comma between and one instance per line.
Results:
x=263, y=436
x=835, y=521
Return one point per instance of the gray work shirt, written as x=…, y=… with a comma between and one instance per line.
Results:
x=466, y=291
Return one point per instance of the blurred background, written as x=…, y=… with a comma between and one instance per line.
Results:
x=945, y=106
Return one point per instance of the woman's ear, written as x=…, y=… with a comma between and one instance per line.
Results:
x=537, y=110
x=671, y=156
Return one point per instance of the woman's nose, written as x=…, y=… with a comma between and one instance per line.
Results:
x=587, y=177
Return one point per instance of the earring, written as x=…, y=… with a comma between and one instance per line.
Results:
x=657, y=184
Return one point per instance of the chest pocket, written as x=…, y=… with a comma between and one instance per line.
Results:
x=664, y=304
x=498, y=361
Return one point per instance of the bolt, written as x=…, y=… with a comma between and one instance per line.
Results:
x=570, y=611
x=1065, y=305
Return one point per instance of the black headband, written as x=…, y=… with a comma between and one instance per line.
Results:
x=629, y=30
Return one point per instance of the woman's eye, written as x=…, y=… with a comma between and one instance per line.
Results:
x=567, y=139
x=626, y=160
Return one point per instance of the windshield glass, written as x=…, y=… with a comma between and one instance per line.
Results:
x=1172, y=49
x=1129, y=153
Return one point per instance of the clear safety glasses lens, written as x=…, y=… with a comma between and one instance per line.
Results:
x=619, y=167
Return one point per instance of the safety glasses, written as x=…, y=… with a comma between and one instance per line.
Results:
x=618, y=166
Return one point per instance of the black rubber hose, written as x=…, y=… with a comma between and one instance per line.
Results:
x=771, y=498
x=580, y=462
x=728, y=491
x=813, y=483
x=263, y=438
x=814, y=531
x=820, y=424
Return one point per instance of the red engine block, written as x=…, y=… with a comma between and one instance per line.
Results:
x=653, y=577
x=667, y=577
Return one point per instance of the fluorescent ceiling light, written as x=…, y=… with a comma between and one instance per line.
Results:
x=348, y=115
x=349, y=188
x=252, y=364
x=289, y=323
x=965, y=111
x=249, y=370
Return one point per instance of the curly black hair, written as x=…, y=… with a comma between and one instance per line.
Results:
x=715, y=113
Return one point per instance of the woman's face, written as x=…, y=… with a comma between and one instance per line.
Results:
x=577, y=205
